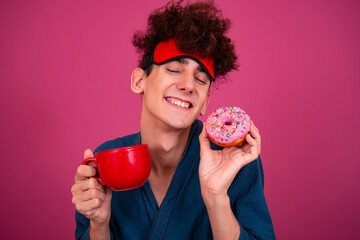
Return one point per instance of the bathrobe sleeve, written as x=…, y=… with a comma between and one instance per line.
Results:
x=248, y=203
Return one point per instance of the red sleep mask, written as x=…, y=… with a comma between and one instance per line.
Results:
x=167, y=51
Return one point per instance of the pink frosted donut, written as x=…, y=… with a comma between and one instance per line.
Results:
x=228, y=126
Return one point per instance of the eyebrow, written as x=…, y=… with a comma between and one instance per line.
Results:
x=185, y=61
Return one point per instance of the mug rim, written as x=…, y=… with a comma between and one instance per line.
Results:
x=134, y=147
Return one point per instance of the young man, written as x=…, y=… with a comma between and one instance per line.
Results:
x=196, y=190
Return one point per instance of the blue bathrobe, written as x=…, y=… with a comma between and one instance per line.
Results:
x=182, y=214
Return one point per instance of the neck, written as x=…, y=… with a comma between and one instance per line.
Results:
x=166, y=145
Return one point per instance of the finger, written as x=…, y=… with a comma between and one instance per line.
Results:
x=254, y=130
x=255, y=133
x=84, y=172
x=204, y=140
x=82, y=186
x=250, y=140
x=89, y=205
x=88, y=153
x=254, y=148
x=253, y=125
x=88, y=195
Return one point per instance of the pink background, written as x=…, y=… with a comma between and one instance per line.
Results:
x=65, y=67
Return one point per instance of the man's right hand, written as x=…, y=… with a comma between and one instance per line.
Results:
x=91, y=199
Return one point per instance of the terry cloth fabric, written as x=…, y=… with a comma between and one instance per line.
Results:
x=182, y=214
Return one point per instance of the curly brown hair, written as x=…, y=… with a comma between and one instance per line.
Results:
x=201, y=28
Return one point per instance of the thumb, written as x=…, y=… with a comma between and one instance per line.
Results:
x=88, y=153
x=204, y=140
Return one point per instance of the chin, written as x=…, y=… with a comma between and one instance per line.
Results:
x=180, y=123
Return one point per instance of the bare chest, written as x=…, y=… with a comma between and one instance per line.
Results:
x=159, y=187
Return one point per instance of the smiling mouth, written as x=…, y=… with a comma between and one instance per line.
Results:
x=178, y=102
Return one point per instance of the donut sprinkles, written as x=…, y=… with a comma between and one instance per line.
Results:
x=228, y=126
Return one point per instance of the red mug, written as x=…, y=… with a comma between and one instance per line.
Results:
x=122, y=168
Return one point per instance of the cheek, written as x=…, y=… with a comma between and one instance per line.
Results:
x=203, y=95
x=151, y=87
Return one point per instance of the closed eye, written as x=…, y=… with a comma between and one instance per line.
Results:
x=200, y=81
x=172, y=71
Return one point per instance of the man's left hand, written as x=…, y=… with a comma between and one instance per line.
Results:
x=218, y=168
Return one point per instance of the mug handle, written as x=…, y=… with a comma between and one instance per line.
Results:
x=93, y=159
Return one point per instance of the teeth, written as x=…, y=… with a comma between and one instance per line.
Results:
x=179, y=103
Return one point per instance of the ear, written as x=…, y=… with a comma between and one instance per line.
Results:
x=137, y=81
x=203, y=110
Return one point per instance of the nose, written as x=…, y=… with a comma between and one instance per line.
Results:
x=186, y=83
